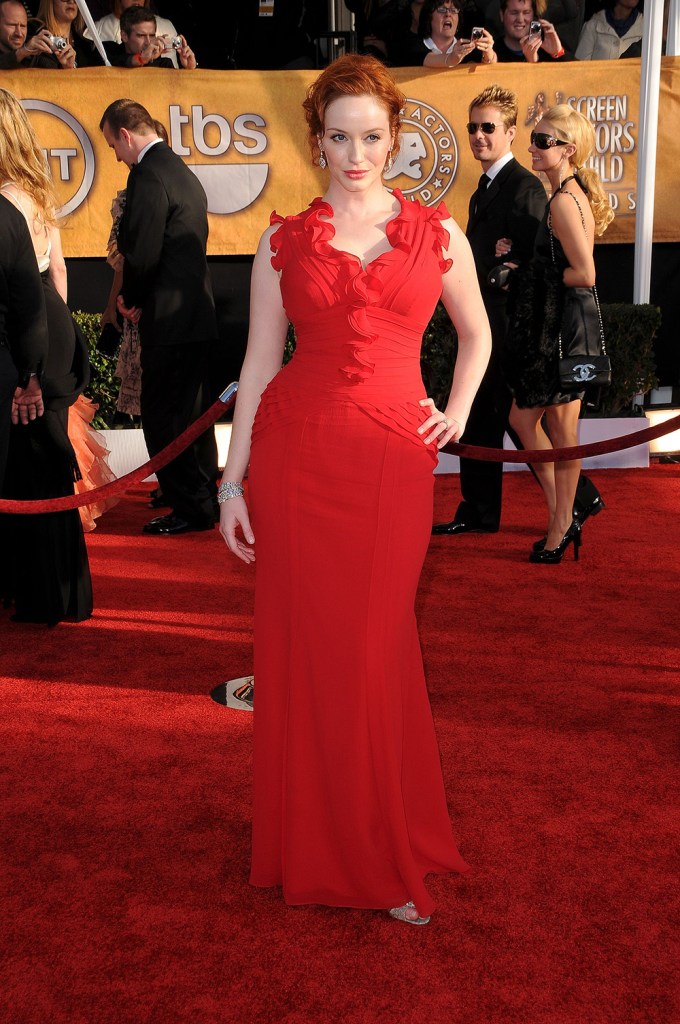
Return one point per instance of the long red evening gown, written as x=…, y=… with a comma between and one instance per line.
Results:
x=348, y=806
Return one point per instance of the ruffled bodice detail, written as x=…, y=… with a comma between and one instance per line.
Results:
x=358, y=328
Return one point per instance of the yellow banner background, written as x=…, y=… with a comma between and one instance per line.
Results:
x=244, y=134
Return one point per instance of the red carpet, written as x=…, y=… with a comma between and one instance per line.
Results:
x=125, y=791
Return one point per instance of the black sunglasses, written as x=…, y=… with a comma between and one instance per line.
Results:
x=488, y=127
x=541, y=140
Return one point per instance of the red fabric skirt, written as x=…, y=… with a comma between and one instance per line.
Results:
x=349, y=805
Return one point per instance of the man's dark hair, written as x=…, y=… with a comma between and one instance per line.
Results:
x=135, y=16
x=128, y=114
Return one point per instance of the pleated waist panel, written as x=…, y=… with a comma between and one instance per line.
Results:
x=389, y=392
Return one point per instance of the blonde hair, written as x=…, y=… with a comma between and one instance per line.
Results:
x=571, y=126
x=46, y=15
x=21, y=158
x=504, y=100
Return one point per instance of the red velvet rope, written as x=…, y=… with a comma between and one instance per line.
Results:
x=582, y=451
x=226, y=400
x=171, y=451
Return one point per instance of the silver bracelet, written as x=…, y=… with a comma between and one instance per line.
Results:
x=229, y=489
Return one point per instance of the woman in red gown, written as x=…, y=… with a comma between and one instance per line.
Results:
x=348, y=804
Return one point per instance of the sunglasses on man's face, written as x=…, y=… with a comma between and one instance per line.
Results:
x=488, y=127
x=541, y=140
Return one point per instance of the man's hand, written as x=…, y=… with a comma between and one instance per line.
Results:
x=186, y=55
x=552, y=43
x=149, y=53
x=27, y=403
x=530, y=47
x=39, y=43
x=131, y=313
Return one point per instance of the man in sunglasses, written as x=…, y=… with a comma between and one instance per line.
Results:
x=508, y=204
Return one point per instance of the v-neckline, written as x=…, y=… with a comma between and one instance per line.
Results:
x=364, y=266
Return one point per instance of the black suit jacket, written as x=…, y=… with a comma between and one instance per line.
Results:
x=512, y=207
x=163, y=236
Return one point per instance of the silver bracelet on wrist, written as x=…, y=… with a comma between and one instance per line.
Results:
x=229, y=489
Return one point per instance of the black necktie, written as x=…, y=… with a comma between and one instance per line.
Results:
x=482, y=186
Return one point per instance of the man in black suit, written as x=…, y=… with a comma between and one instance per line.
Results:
x=167, y=290
x=509, y=203
x=23, y=327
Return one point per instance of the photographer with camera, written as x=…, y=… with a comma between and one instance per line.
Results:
x=15, y=50
x=60, y=23
x=140, y=47
x=108, y=27
x=526, y=35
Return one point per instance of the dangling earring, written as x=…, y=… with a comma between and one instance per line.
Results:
x=390, y=162
x=322, y=159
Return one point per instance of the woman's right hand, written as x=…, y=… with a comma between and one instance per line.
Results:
x=234, y=514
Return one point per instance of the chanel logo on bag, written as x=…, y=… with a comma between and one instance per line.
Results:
x=584, y=372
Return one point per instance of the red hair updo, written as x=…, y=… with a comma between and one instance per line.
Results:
x=352, y=75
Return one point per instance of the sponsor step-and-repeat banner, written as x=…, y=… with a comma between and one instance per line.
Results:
x=243, y=134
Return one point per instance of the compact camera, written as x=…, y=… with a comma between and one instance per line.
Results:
x=476, y=34
x=535, y=28
x=176, y=42
x=57, y=43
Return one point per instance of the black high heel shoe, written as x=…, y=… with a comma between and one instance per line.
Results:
x=551, y=556
x=539, y=545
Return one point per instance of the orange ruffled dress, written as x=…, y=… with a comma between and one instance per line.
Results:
x=349, y=806
x=92, y=454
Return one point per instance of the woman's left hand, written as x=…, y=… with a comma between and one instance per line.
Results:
x=438, y=427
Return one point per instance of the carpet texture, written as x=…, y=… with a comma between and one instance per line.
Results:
x=556, y=692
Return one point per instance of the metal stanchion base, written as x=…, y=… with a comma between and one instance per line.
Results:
x=224, y=694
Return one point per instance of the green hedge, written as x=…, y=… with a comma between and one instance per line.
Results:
x=103, y=388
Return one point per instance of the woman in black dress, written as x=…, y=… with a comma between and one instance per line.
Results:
x=45, y=571
x=563, y=282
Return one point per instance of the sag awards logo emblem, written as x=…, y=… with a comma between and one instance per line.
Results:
x=427, y=161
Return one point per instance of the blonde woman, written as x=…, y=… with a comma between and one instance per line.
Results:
x=63, y=20
x=578, y=211
x=46, y=549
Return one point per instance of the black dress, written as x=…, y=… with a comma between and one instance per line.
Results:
x=541, y=310
x=45, y=571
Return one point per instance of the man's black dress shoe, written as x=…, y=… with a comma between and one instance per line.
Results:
x=449, y=529
x=584, y=512
x=171, y=524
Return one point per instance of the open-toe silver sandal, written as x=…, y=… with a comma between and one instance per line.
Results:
x=402, y=914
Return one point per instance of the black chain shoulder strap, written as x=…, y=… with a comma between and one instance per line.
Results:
x=594, y=289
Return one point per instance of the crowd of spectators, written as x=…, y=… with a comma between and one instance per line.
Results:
x=294, y=33
x=452, y=32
